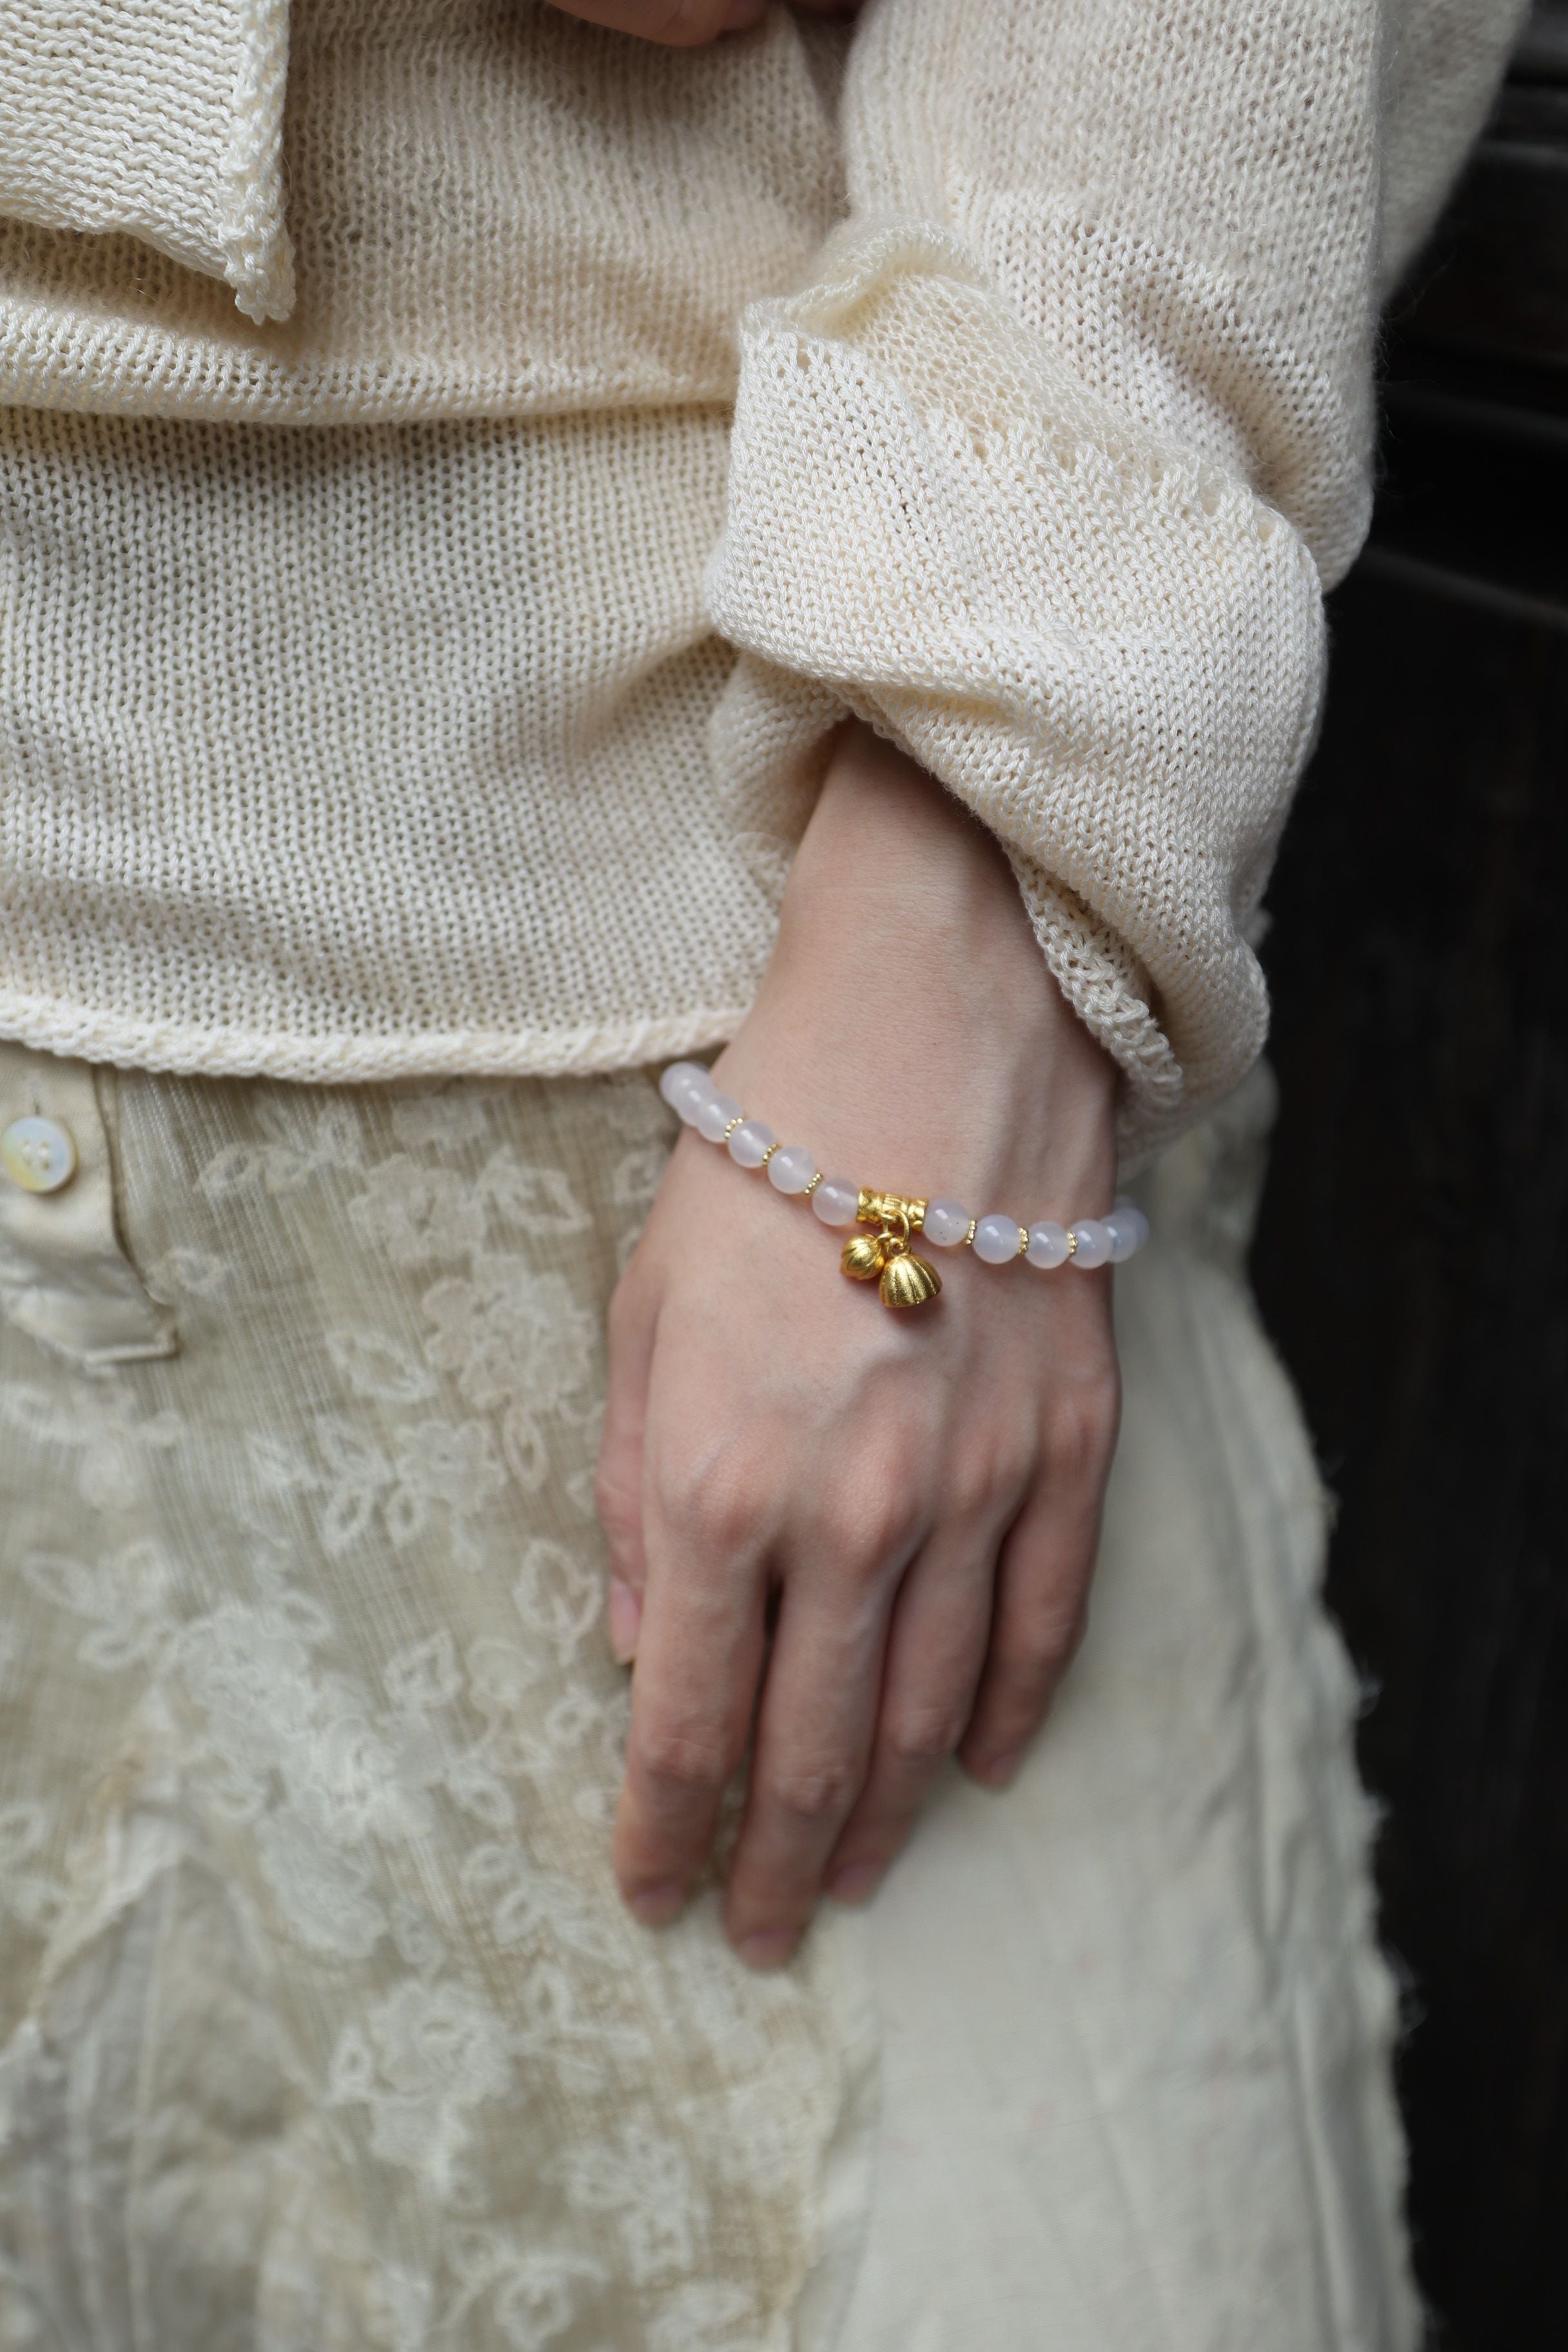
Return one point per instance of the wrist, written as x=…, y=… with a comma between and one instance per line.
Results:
x=908, y=1023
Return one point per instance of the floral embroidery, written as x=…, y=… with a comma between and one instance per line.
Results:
x=434, y=1465
x=100, y=1420
x=128, y=1601
x=329, y=1582
x=426, y=2055
x=520, y=1345
x=415, y=1213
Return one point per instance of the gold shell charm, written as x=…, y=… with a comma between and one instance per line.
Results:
x=885, y=1257
x=863, y=1258
x=909, y=1281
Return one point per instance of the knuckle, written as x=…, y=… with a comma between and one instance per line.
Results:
x=918, y=1735
x=811, y=1794
x=681, y=1761
x=1080, y=1428
x=719, y=1513
x=1045, y=1645
x=873, y=1521
x=983, y=1472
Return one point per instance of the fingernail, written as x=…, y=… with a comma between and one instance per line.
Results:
x=768, y=1947
x=1002, y=1769
x=856, y=1882
x=623, y=1617
x=656, y=1905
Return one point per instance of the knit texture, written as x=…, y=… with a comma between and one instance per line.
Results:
x=165, y=122
x=334, y=752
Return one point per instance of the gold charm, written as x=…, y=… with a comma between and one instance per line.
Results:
x=885, y=1257
x=908, y=1281
x=863, y=1258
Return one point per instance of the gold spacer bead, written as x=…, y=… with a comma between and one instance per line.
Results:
x=768, y=1155
x=968, y=1241
x=730, y=1131
x=812, y=1186
x=1072, y=1243
x=1023, y=1240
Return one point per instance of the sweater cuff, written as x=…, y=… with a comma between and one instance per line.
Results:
x=160, y=119
x=1111, y=651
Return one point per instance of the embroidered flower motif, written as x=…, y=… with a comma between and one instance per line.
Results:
x=535, y=2293
x=433, y=1465
x=425, y=1676
x=637, y=1177
x=431, y=2052
x=416, y=1213
x=183, y=1272
x=377, y=1369
x=405, y=1781
x=325, y=1893
x=129, y=1600
x=709, y=2315
x=641, y=2183
x=307, y=1135
x=446, y=1119
x=539, y=1199
x=559, y=1593
x=100, y=1422
x=519, y=1344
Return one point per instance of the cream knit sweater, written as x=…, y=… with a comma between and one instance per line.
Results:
x=407, y=664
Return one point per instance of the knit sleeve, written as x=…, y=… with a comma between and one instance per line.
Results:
x=1045, y=470
x=160, y=120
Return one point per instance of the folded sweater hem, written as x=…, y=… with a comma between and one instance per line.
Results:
x=186, y=1049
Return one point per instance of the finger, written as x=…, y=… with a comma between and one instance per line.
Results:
x=936, y=1651
x=673, y=24
x=1042, y=1587
x=813, y=1743
x=698, y=1656
x=618, y=1480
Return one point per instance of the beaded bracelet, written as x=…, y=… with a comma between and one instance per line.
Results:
x=885, y=1256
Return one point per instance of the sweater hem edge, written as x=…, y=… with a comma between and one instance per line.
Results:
x=179, y=1049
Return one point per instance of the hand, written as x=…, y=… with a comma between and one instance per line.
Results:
x=916, y=1494
x=688, y=24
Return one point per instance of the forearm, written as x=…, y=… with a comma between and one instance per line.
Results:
x=907, y=998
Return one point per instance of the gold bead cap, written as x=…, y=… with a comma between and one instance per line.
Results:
x=886, y=1208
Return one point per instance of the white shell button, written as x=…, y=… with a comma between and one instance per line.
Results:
x=40, y=1154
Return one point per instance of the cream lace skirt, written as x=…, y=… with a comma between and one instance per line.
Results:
x=320, y=2027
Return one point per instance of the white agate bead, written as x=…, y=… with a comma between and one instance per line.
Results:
x=791, y=1170
x=683, y=1087
x=945, y=1222
x=1047, y=1244
x=1091, y=1239
x=1128, y=1230
x=714, y=1113
x=996, y=1240
x=749, y=1144
x=835, y=1201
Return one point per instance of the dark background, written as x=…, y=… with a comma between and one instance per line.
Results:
x=1410, y=1259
